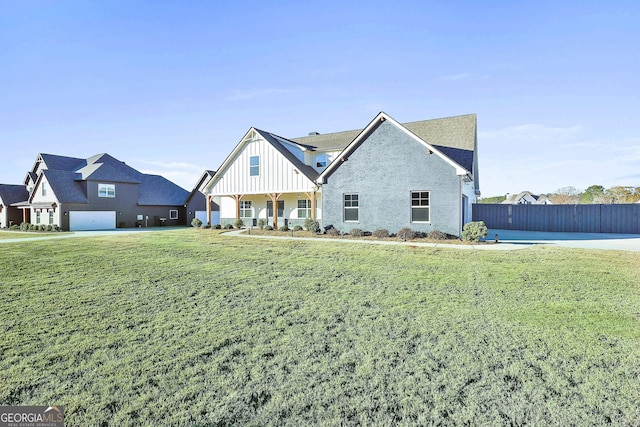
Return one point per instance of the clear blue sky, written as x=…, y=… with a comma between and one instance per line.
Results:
x=171, y=87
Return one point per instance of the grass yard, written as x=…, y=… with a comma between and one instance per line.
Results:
x=188, y=327
x=7, y=234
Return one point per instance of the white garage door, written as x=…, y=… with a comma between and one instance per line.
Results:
x=92, y=220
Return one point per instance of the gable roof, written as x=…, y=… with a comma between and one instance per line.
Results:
x=460, y=160
x=455, y=132
x=10, y=193
x=300, y=165
x=64, y=185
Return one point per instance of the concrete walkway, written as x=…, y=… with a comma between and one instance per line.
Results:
x=507, y=240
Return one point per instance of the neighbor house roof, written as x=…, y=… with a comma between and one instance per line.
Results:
x=66, y=175
x=10, y=193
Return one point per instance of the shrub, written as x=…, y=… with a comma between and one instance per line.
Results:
x=14, y=227
x=268, y=227
x=196, y=222
x=206, y=226
x=239, y=223
x=312, y=225
x=24, y=226
x=284, y=228
x=332, y=231
x=297, y=228
x=437, y=235
x=32, y=227
x=228, y=226
x=406, y=233
x=49, y=228
x=356, y=232
x=381, y=233
x=218, y=227
x=473, y=231
x=261, y=223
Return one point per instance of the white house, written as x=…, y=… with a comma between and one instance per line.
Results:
x=422, y=175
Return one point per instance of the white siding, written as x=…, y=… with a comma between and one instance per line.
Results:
x=277, y=173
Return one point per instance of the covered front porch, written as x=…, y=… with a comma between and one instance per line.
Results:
x=274, y=209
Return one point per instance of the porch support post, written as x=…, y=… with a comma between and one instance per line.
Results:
x=311, y=195
x=24, y=215
x=237, y=198
x=209, y=198
x=274, y=199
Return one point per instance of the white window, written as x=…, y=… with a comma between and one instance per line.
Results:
x=44, y=188
x=419, y=206
x=50, y=217
x=351, y=207
x=173, y=214
x=106, y=190
x=37, y=217
x=245, y=209
x=321, y=161
x=254, y=165
x=304, y=208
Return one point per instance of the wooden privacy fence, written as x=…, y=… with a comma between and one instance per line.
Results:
x=567, y=218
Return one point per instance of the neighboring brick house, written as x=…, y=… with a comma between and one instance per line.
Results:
x=97, y=193
x=422, y=175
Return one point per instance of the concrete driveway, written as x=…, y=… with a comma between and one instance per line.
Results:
x=622, y=242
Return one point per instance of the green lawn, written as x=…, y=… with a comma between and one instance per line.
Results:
x=7, y=234
x=188, y=327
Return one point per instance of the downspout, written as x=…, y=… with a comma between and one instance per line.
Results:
x=460, y=210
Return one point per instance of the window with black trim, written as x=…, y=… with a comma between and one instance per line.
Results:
x=351, y=207
x=245, y=209
x=173, y=214
x=420, y=206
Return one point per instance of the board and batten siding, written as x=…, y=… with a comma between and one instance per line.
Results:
x=277, y=173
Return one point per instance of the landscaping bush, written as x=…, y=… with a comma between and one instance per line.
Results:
x=228, y=227
x=356, y=232
x=239, y=223
x=49, y=228
x=297, y=228
x=218, y=227
x=261, y=223
x=406, y=233
x=473, y=231
x=206, y=226
x=284, y=228
x=196, y=222
x=14, y=227
x=268, y=227
x=332, y=231
x=312, y=225
x=437, y=235
x=24, y=226
x=381, y=233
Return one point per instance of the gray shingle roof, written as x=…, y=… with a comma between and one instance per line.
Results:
x=455, y=132
x=159, y=191
x=65, y=186
x=10, y=193
x=63, y=163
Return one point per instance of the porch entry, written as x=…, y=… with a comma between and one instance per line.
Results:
x=281, y=219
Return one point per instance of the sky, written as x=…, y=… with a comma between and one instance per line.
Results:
x=171, y=87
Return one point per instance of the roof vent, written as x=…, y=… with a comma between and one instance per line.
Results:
x=314, y=133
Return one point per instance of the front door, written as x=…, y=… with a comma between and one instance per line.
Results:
x=280, y=212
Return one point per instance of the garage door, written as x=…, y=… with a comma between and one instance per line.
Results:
x=92, y=220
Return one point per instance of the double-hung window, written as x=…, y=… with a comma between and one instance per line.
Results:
x=351, y=207
x=173, y=214
x=304, y=208
x=50, y=217
x=254, y=165
x=419, y=206
x=106, y=190
x=245, y=209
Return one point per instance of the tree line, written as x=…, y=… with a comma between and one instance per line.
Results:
x=594, y=194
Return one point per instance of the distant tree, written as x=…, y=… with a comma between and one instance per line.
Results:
x=565, y=196
x=494, y=199
x=592, y=194
x=622, y=194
